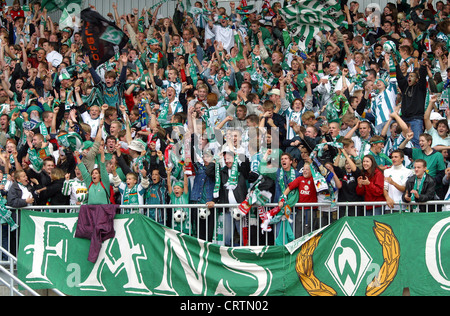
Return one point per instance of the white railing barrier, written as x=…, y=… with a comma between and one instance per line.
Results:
x=304, y=219
x=9, y=278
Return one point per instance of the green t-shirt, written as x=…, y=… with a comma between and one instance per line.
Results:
x=435, y=161
x=97, y=194
x=382, y=159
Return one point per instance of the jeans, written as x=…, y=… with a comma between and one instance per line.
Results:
x=417, y=128
x=231, y=227
x=378, y=211
x=4, y=237
x=8, y=241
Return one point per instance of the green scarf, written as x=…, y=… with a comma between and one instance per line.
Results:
x=71, y=140
x=36, y=157
x=419, y=190
x=155, y=5
x=5, y=215
x=286, y=235
x=337, y=107
x=233, y=179
x=192, y=70
x=209, y=129
x=94, y=98
x=319, y=147
x=319, y=180
x=292, y=197
x=258, y=197
x=364, y=143
x=131, y=197
x=167, y=125
x=333, y=81
x=217, y=177
x=164, y=108
x=141, y=26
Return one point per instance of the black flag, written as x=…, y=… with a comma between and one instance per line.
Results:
x=102, y=39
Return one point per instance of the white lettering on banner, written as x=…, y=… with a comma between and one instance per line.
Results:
x=262, y=276
x=130, y=255
x=195, y=275
x=122, y=254
x=42, y=249
x=433, y=255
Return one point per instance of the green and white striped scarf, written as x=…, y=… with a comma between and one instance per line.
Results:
x=71, y=140
x=193, y=70
x=418, y=188
x=319, y=147
x=164, y=111
x=5, y=215
x=233, y=179
x=337, y=107
x=290, y=176
x=217, y=177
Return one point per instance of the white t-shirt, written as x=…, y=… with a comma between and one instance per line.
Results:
x=438, y=140
x=399, y=175
x=25, y=193
x=94, y=123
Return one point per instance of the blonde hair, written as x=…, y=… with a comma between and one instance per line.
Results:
x=17, y=174
x=57, y=173
x=117, y=123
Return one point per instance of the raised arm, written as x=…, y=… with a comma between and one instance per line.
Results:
x=169, y=182
x=426, y=117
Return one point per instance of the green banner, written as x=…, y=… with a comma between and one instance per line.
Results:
x=355, y=256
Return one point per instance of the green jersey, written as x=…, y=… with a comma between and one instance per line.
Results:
x=435, y=160
x=97, y=193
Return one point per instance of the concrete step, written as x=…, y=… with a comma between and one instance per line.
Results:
x=5, y=291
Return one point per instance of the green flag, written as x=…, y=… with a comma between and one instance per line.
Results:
x=67, y=19
x=306, y=18
x=72, y=6
x=71, y=140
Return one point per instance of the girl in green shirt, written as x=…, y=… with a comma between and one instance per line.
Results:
x=97, y=181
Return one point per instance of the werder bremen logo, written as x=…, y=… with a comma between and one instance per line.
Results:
x=348, y=261
x=112, y=35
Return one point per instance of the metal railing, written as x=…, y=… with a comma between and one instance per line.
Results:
x=304, y=219
x=219, y=226
x=9, y=278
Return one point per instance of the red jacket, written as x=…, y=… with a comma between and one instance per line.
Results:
x=373, y=191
